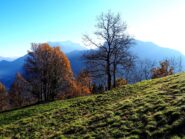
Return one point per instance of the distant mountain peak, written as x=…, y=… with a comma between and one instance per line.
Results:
x=7, y=58
x=68, y=46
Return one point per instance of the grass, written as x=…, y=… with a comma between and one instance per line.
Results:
x=148, y=109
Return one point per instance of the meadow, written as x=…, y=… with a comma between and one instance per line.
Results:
x=148, y=109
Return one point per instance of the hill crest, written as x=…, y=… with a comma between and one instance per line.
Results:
x=148, y=109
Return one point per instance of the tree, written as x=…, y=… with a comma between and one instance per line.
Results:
x=84, y=79
x=113, y=45
x=20, y=92
x=75, y=89
x=141, y=70
x=122, y=61
x=176, y=63
x=79, y=87
x=97, y=88
x=163, y=70
x=84, y=82
x=3, y=98
x=49, y=71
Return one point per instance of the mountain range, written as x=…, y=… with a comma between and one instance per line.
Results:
x=7, y=58
x=74, y=52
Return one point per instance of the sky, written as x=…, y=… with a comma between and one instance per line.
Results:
x=23, y=22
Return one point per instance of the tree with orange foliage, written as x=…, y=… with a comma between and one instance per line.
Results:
x=20, y=92
x=75, y=89
x=3, y=98
x=162, y=71
x=84, y=82
x=49, y=71
x=79, y=87
x=84, y=79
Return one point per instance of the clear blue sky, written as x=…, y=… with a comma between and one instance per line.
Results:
x=25, y=21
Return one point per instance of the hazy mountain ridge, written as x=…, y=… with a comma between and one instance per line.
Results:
x=150, y=50
x=74, y=51
x=8, y=70
x=68, y=46
x=7, y=58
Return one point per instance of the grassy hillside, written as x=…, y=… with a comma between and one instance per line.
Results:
x=149, y=109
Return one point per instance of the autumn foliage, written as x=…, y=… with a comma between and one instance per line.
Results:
x=20, y=92
x=50, y=74
x=79, y=87
x=3, y=98
x=84, y=79
x=163, y=70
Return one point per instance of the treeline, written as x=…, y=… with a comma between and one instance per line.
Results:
x=48, y=76
x=145, y=69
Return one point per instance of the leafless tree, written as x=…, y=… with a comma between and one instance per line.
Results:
x=112, y=43
x=140, y=70
x=176, y=63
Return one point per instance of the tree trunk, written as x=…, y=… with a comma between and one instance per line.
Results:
x=109, y=81
x=108, y=75
x=114, y=76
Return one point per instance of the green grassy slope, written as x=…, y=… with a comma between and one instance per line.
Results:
x=149, y=109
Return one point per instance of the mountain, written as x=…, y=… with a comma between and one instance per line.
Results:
x=148, y=109
x=149, y=50
x=8, y=69
x=74, y=51
x=68, y=46
x=76, y=60
x=7, y=58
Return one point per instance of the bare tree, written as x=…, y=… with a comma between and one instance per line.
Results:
x=139, y=70
x=176, y=63
x=112, y=47
x=144, y=68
